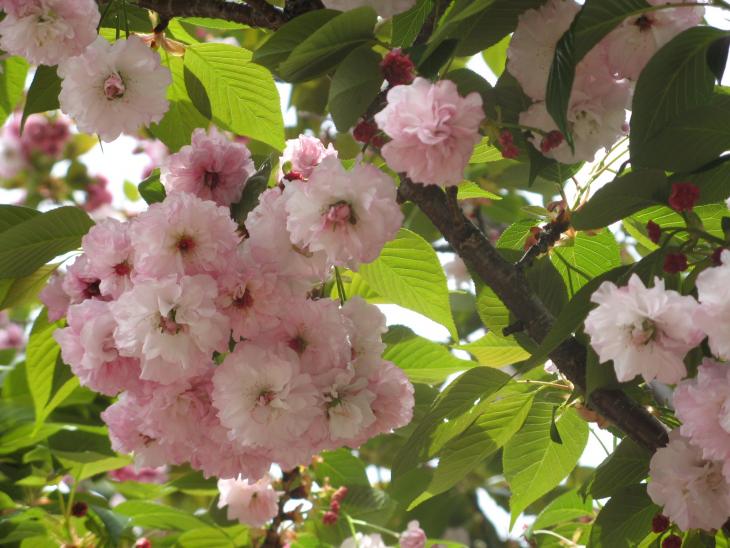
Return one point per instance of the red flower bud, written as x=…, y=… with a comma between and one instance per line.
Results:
x=365, y=131
x=552, y=140
x=294, y=176
x=397, y=67
x=330, y=518
x=660, y=523
x=143, y=543
x=340, y=494
x=507, y=143
x=675, y=262
x=79, y=509
x=335, y=506
x=655, y=231
x=672, y=541
x=684, y=196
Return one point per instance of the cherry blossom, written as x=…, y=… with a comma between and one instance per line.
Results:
x=250, y=503
x=713, y=292
x=114, y=88
x=211, y=167
x=349, y=215
x=413, y=536
x=384, y=8
x=433, y=131
x=48, y=31
x=304, y=154
x=645, y=331
x=110, y=256
x=692, y=490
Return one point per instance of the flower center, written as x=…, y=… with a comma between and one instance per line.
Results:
x=92, y=289
x=211, y=179
x=339, y=214
x=114, y=87
x=644, y=23
x=243, y=299
x=122, y=269
x=298, y=344
x=185, y=243
x=168, y=324
x=643, y=333
x=266, y=397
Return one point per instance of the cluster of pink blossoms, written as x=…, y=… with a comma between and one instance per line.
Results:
x=648, y=332
x=220, y=355
x=604, y=79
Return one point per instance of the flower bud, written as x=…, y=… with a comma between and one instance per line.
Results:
x=397, y=67
x=660, y=523
x=684, y=196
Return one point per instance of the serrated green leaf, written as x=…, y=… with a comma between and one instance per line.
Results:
x=43, y=92
x=533, y=463
x=152, y=189
x=486, y=435
x=408, y=273
x=176, y=127
x=408, y=24
x=485, y=152
x=12, y=82
x=491, y=310
x=241, y=95
x=495, y=351
x=625, y=520
x=11, y=215
x=355, y=85
x=425, y=361
x=496, y=56
x=27, y=246
x=469, y=190
x=589, y=255
x=342, y=468
x=85, y=464
x=627, y=465
x=158, y=516
x=567, y=507
x=40, y=364
x=327, y=45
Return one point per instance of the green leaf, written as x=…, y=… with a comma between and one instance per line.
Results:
x=342, y=468
x=490, y=431
x=492, y=311
x=691, y=139
x=176, y=127
x=11, y=215
x=533, y=463
x=484, y=153
x=40, y=364
x=469, y=190
x=408, y=24
x=625, y=520
x=355, y=285
x=152, y=189
x=27, y=246
x=131, y=192
x=43, y=92
x=620, y=198
x=23, y=290
x=355, y=85
x=281, y=43
x=85, y=464
x=495, y=351
x=12, y=82
x=425, y=361
x=496, y=56
x=627, y=465
x=408, y=273
x=676, y=79
x=567, y=507
x=455, y=403
x=242, y=95
x=158, y=516
x=327, y=46
x=193, y=483
x=210, y=537
x=589, y=255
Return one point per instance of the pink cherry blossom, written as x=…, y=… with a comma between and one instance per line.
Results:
x=532, y=48
x=269, y=244
x=114, y=88
x=693, y=491
x=140, y=475
x=11, y=336
x=212, y=168
x=413, y=536
x=394, y=400
x=703, y=406
x=87, y=345
x=97, y=194
x=250, y=503
x=172, y=326
x=638, y=38
x=349, y=215
x=365, y=324
x=262, y=397
x=348, y=406
x=54, y=298
x=48, y=31
x=41, y=135
x=80, y=283
x=305, y=153
x=432, y=129
x=110, y=256
x=645, y=331
x=183, y=235
x=712, y=316
x=360, y=540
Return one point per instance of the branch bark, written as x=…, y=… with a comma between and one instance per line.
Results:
x=258, y=13
x=510, y=285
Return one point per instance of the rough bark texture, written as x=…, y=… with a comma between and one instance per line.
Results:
x=256, y=13
x=510, y=285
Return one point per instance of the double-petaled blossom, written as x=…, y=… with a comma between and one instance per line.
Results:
x=250, y=503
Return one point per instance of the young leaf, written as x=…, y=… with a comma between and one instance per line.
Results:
x=12, y=82
x=408, y=273
x=625, y=520
x=151, y=189
x=355, y=84
x=43, y=92
x=425, y=361
x=407, y=25
x=42, y=354
x=627, y=465
x=493, y=350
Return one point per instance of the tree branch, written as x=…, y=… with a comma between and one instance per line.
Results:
x=258, y=13
x=510, y=285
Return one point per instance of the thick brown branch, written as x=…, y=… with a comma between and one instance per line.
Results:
x=258, y=13
x=511, y=286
